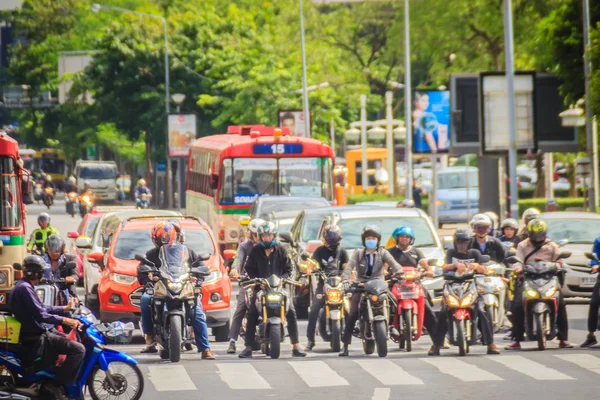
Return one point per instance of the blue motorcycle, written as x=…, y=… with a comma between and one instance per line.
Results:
x=106, y=373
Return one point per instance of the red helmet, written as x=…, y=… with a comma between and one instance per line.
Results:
x=163, y=233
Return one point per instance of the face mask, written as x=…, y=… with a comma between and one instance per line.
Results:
x=267, y=245
x=371, y=244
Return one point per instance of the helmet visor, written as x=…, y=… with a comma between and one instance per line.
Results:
x=462, y=245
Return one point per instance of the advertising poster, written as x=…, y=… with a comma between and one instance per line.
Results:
x=294, y=120
x=431, y=122
x=182, y=132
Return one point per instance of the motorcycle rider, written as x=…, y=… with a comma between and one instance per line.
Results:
x=139, y=190
x=237, y=270
x=460, y=259
x=528, y=215
x=71, y=185
x=164, y=233
x=538, y=247
x=36, y=318
x=57, y=261
x=408, y=256
x=369, y=263
x=494, y=228
x=332, y=260
x=508, y=231
x=40, y=235
x=594, y=302
x=486, y=244
x=265, y=259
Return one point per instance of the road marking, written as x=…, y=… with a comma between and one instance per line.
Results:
x=317, y=374
x=166, y=378
x=388, y=373
x=381, y=394
x=461, y=370
x=242, y=376
x=530, y=368
x=586, y=361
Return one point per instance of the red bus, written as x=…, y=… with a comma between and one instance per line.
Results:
x=227, y=172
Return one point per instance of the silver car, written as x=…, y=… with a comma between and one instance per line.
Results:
x=580, y=229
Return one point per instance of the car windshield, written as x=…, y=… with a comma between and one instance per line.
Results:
x=267, y=207
x=352, y=228
x=458, y=180
x=174, y=261
x=97, y=173
x=130, y=243
x=311, y=228
x=575, y=230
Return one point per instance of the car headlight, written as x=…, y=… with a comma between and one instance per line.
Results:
x=443, y=204
x=467, y=301
x=550, y=292
x=334, y=296
x=214, y=276
x=452, y=301
x=532, y=294
x=123, y=279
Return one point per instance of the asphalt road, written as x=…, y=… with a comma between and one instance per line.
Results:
x=552, y=374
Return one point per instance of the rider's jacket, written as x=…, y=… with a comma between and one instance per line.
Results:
x=140, y=190
x=243, y=251
x=493, y=248
x=407, y=258
x=259, y=265
x=515, y=240
x=38, y=237
x=331, y=261
x=528, y=252
x=35, y=317
x=371, y=265
x=61, y=271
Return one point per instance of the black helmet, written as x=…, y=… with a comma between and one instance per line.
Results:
x=538, y=231
x=34, y=266
x=462, y=237
x=371, y=230
x=332, y=235
x=54, y=244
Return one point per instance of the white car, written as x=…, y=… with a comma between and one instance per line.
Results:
x=457, y=194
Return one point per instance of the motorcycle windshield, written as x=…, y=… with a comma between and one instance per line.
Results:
x=174, y=261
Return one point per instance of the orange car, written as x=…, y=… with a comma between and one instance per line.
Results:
x=119, y=292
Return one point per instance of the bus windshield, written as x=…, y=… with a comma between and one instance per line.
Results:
x=97, y=173
x=244, y=179
x=10, y=216
x=51, y=166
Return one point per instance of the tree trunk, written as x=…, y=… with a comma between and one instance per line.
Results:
x=540, y=187
x=571, y=174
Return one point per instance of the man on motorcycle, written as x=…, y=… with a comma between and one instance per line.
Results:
x=369, y=263
x=48, y=182
x=508, y=231
x=139, y=190
x=71, y=185
x=265, y=259
x=36, y=318
x=528, y=215
x=460, y=259
x=486, y=244
x=594, y=302
x=58, y=263
x=40, y=235
x=408, y=256
x=538, y=247
x=237, y=270
x=332, y=260
x=164, y=233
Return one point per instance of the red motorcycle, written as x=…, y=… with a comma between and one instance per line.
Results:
x=410, y=295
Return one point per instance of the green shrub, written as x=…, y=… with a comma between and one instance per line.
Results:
x=359, y=198
x=527, y=193
x=540, y=203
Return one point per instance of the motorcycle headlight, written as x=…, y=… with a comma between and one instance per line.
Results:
x=467, y=300
x=374, y=298
x=213, y=277
x=532, y=294
x=175, y=286
x=160, y=290
x=273, y=297
x=550, y=292
x=334, y=296
x=452, y=301
x=123, y=279
x=409, y=276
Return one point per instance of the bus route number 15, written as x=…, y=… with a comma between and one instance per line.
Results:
x=278, y=149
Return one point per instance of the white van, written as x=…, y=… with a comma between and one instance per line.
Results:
x=101, y=175
x=457, y=194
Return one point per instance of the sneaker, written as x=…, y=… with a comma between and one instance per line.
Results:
x=394, y=332
x=514, y=345
x=208, y=355
x=150, y=348
x=590, y=341
x=446, y=344
x=56, y=390
x=231, y=348
x=434, y=351
x=508, y=336
x=309, y=345
x=565, y=345
x=492, y=349
x=247, y=353
x=298, y=353
x=344, y=352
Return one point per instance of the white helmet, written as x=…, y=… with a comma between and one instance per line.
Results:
x=480, y=219
x=254, y=224
x=494, y=218
x=72, y=180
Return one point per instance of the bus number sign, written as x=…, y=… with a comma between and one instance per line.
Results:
x=278, y=148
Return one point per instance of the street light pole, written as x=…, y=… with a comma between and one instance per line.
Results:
x=389, y=118
x=305, y=109
x=510, y=93
x=407, y=105
x=363, y=141
x=589, y=129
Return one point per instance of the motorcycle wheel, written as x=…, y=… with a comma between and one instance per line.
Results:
x=128, y=378
x=381, y=338
x=275, y=341
x=221, y=333
x=368, y=346
x=540, y=331
x=459, y=331
x=407, y=316
x=335, y=342
x=492, y=312
x=175, y=334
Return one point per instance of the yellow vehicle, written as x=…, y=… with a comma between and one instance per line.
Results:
x=375, y=157
x=53, y=163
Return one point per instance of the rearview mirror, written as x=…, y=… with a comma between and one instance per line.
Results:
x=96, y=258
x=591, y=256
x=513, y=260
x=312, y=245
x=73, y=235
x=205, y=256
x=83, y=242
x=286, y=237
x=146, y=269
x=229, y=254
x=17, y=267
x=564, y=254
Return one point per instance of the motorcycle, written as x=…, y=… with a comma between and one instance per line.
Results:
x=174, y=297
x=460, y=294
x=274, y=303
x=104, y=372
x=86, y=204
x=72, y=203
x=410, y=313
x=143, y=201
x=492, y=289
x=332, y=317
x=48, y=197
x=38, y=192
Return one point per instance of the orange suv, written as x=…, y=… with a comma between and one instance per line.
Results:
x=119, y=292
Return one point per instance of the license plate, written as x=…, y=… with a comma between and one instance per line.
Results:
x=2, y=298
x=588, y=281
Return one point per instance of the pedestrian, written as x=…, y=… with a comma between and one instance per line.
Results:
x=417, y=194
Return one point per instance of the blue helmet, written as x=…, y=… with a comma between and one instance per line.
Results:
x=406, y=231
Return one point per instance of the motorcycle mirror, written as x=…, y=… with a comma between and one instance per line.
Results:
x=564, y=254
x=591, y=256
x=17, y=267
x=146, y=269
x=205, y=256
x=73, y=235
x=229, y=254
x=511, y=253
x=304, y=256
x=485, y=259
x=286, y=237
x=562, y=242
x=143, y=260
x=513, y=260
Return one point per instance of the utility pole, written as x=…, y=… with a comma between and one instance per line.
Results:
x=591, y=142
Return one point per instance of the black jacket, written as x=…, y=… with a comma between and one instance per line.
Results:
x=493, y=248
x=258, y=265
x=152, y=255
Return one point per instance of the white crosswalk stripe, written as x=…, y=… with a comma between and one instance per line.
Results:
x=317, y=374
x=586, y=361
x=388, y=373
x=530, y=368
x=242, y=376
x=166, y=378
x=461, y=370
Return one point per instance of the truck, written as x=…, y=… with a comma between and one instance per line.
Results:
x=101, y=176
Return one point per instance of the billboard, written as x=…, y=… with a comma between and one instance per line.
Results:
x=294, y=120
x=182, y=132
x=431, y=122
